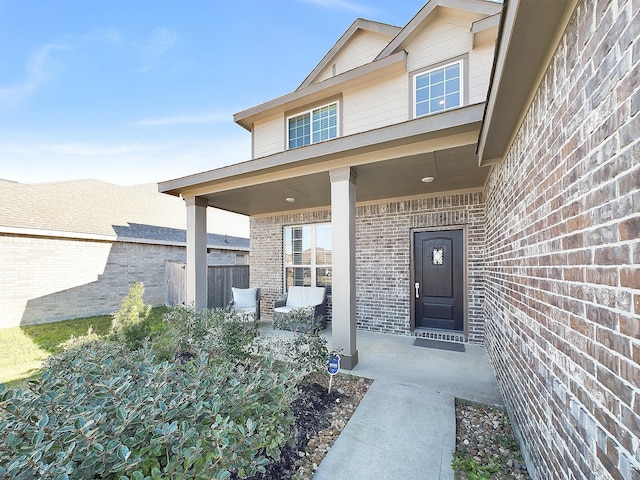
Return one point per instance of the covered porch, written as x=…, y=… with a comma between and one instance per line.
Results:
x=411, y=160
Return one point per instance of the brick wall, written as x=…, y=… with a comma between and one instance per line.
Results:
x=267, y=253
x=383, y=256
x=563, y=282
x=53, y=279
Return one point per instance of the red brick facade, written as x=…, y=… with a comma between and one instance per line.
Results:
x=562, y=274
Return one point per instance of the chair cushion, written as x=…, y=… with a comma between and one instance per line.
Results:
x=244, y=297
x=305, y=296
x=282, y=309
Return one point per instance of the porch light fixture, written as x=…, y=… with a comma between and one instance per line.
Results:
x=428, y=179
x=290, y=199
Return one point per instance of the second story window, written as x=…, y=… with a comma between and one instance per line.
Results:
x=438, y=89
x=313, y=126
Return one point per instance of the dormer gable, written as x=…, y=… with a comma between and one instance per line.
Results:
x=358, y=46
x=416, y=26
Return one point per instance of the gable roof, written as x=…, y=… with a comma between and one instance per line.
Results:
x=392, y=59
x=359, y=25
x=414, y=27
x=99, y=210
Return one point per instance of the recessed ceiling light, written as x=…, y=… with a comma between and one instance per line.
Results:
x=290, y=199
x=428, y=179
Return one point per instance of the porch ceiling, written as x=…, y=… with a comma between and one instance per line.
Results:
x=452, y=169
x=390, y=163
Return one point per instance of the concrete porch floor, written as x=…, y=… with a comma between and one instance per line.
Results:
x=393, y=358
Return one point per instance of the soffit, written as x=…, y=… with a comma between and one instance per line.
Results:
x=529, y=34
x=453, y=169
x=390, y=163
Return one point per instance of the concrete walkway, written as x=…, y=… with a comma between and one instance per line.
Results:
x=397, y=432
x=405, y=428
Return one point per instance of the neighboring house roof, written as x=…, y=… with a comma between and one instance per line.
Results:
x=100, y=210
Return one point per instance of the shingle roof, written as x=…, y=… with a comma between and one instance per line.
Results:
x=95, y=208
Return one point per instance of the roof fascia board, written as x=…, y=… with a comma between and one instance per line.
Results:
x=514, y=82
x=485, y=23
x=41, y=233
x=412, y=28
x=359, y=24
x=321, y=90
x=345, y=146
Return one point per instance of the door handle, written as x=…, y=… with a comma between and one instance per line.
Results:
x=417, y=285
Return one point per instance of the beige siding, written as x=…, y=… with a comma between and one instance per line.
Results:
x=480, y=62
x=376, y=105
x=269, y=136
x=441, y=41
x=388, y=101
x=361, y=49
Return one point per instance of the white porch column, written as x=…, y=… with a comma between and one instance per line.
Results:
x=343, y=232
x=196, y=252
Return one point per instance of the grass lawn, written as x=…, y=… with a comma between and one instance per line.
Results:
x=25, y=348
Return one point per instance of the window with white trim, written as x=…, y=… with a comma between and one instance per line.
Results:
x=313, y=126
x=307, y=256
x=438, y=89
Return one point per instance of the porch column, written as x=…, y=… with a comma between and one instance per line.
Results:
x=343, y=232
x=196, y=252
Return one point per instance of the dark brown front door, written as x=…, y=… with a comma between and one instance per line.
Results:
x=438, y=285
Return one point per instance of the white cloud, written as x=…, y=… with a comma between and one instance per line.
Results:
x=121, y=163
x=110, y=36
x=40, y=69
x=90, y=149
x=343, y=5
x=162, y=40
x=186, y=119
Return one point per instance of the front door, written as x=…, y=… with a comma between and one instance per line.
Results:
x=438, y=282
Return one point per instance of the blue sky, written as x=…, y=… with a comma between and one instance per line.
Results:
x=137, y=91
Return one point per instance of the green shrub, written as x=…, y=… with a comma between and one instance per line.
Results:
x=130, y=324
x=222, y=332
x=93, y=417
x=219, y=405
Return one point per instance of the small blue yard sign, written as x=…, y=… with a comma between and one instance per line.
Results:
x=333, y=366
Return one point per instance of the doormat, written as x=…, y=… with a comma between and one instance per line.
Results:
x=452, y=347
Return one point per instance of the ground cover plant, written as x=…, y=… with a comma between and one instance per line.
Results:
x=486, y=448
x=203, y=397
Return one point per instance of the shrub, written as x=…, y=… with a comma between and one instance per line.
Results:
x=306, y=348
x=103, y=409
x=93, y=417
x=130, y=324
x=223, y=333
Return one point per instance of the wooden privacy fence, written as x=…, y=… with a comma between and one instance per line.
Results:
x=220, y=279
